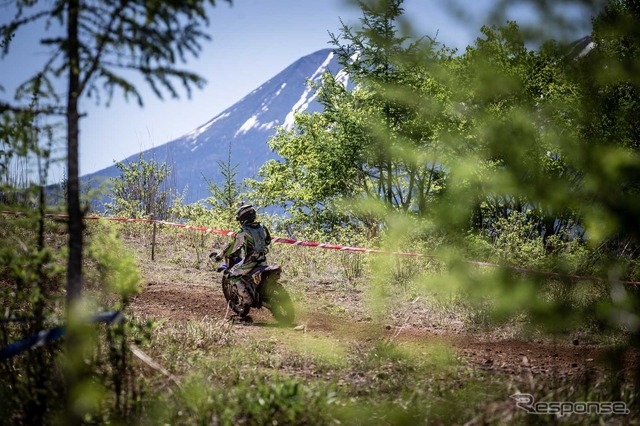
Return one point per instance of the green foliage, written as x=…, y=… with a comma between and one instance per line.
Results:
x=97, y=48
x=141, y=190
x=261, y=400
x=115, y=266
x=30, y=294
x=364, y=142
x=518, y=156
x=517, y=241
x=115, y=40
x=33, y=384
x=25, y=155
x=31, y=275
x=352, y=265
x=226, y=198
x=219, y=209
x=525, y=158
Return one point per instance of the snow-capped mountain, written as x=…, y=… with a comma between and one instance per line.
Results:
x=580, y=48
x=244, y=127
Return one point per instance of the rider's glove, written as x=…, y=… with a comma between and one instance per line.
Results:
x=215, y=256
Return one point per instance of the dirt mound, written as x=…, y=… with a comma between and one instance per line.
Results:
x=185, y=302
x=180, y=302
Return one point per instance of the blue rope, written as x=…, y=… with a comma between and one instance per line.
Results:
x=44, y=337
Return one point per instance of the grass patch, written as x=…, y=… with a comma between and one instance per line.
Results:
x=321, y=351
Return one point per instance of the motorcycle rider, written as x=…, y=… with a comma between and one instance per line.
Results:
x=253, y=238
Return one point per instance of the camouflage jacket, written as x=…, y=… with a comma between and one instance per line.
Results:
x=253, y=239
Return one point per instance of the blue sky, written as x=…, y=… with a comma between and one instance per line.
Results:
x=252, y=40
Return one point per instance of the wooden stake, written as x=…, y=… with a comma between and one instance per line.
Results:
x=153, y=242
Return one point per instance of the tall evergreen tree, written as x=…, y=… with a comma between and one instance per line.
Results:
x=100, y=43
x=226, y=197
x=95, y=48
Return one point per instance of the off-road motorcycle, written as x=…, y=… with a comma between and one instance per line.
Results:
x=266, y=290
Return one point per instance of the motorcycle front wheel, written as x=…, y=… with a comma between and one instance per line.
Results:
x=226, y=288
x=233, y=299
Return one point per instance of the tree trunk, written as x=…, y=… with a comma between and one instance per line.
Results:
x=74, y=264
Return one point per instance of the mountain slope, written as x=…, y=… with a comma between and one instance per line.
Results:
x=244, y=128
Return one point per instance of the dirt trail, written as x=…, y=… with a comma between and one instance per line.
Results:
x=180, y=302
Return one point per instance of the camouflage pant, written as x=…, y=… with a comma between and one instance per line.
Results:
x=240, y=269
x=235, y=276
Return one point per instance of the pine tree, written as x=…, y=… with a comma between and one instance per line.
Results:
x=99, y=45
x=102, y=44
x=225, y=198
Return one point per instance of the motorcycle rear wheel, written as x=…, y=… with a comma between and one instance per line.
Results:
x=280, y=304
x=239, y=308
